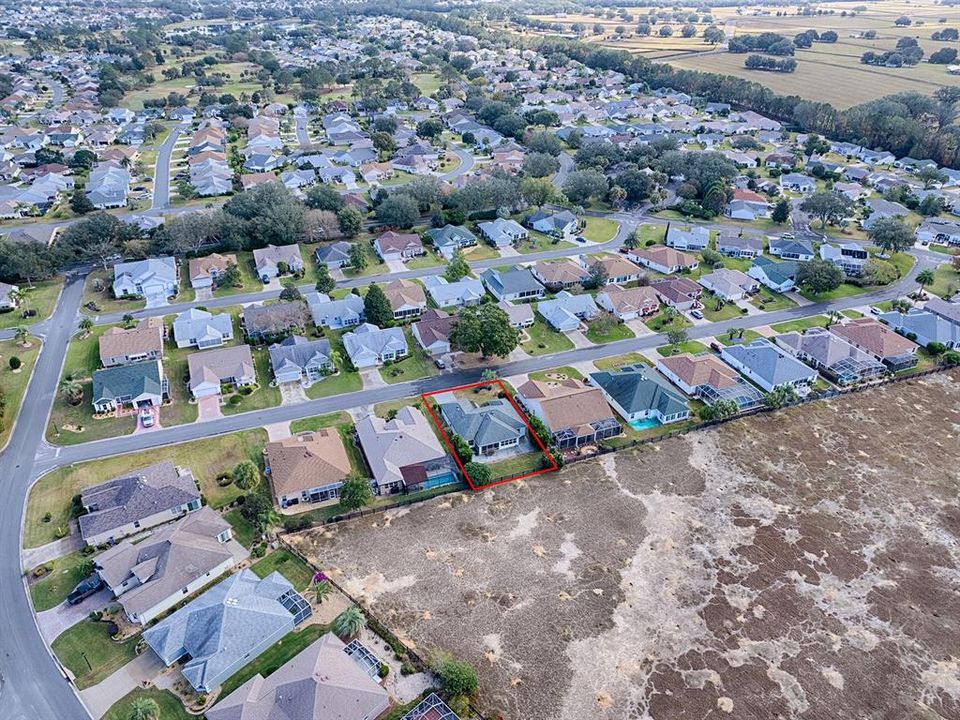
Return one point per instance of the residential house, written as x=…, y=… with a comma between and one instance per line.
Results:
x=152, y=575
x=880, y=341
x=840, y=361
x=406, y=297
x=730, y=285
x=786, y=248
x=205, y=271
x=369, y=346
x=201, y=329
x=335, y=255
x=680, y=293
x=123, y=346
x=560, y=224
x=515, y=285
x=307, y=468
x=576, y=413
x=628, y=303
x=487, y=429
x=520, y=316
x=227, y=627
x=451, y=238
x=404, y=453
x=503, y=233
x=432, y=331
x=778, y=276
x=108, y=185
x=849, y=257
x=461, y=293
x=8, y=296
x=768, y=366
x=638, y=395
x=565, y=312
x=939, y=231
x=947, y=310
x=706, y=377
x=272, y=259
x=694, y=238
x=296, y=359
x=798, y=183
x=137, y=501
x=616, y=269
x=130, y=387
x=267, y=322
x=322, y=681
x=663, y=259
x=155, y=279
x=563, y=274
x=225, y=366
x=879, y=209
x=335, y=314
x=393, y=246
x=747, y=205
x=739, y=246
x=924, y=327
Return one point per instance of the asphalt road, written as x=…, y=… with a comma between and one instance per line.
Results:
x=161, y=176
x=303, y=136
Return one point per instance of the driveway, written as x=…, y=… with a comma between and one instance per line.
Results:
x=396, y=266
x=142, y=668
x=208, y=408
x=155, y=413
x=579, y=339
x=292, y=393
x=638, y=327
x=372, y=378
x=54, y=621
x=31, y=557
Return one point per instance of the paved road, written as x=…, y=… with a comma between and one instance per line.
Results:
x=31, y=684
x=467, y=162
x=161, y=176
x=303, y=136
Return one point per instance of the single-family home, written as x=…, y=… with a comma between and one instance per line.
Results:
x=394, y=246
x=615, y=269
x=335, y=314
x=461, y=293
x=663, y=259
x=638, y=394
x=706, y=377
x=123, y=346
x=404, y=452
x=488, y=429
x=693, y=238
x=739, y=246
x=130, y=387
x=778, y=276
x=559, y=275
x=798, y=182
x=432, y=331
x=369, y=346
x=565, y=312
x=335, y=255
x=879, y=209
x=680, y=292
x=939, y=231
x=747, y=205
x=787, y=248
x=730, y=285
x=628, y=303
x=201, y=329
x=8, y=296
x=503, y=233
x=406, y=297
x=155, y=279
x=768, y=366
x=210, y=369
x=323, y=681
x=136, y=501
x=947, y=310
x=297, y=359
x=275, y=260
x=149, y=577
x=451, y=238
x=307, y=468
x=556, y=224
x=882, y=342
x=520, y=316
x=849, y=257
x=268, y=322
x=576, y=413
x=515, y=285
x=204, y=271
x=840, y=361
x=924, y=327
x=227, y=627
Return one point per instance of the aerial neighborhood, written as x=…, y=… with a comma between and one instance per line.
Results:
x=273, y=281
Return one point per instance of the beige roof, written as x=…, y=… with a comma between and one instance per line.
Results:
x=146, y=337
x=307, y=461
x=201, y=267
x=874, y=337
x=625, y=300
x=701, y=370
x=404, y=292
x=665, y=256
x=568, y=403
x=220, y=364
x=618, y=266
x=559, y=273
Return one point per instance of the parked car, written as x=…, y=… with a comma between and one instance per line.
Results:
x=85, y=589
x=697, y=314
x=874, y=310
x=146, y=419
x=440, y=363
x=580, y=239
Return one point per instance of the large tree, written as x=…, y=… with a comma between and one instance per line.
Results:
x=376, y=307
x=827, y=207
x=819, y=276
x=399, y=210
x=485, y=329
x=583, y=185
x=891, y=235
x=355, y=493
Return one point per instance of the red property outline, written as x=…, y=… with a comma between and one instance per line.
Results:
x=523, y=416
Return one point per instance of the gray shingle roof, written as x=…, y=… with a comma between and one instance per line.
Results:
x=769, y=362
x=490, y=424
x=128, y=381
x=634, y=390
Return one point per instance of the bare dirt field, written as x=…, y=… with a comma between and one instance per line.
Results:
x=804, y=564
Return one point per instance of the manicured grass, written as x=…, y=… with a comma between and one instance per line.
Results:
x=770, y=301
x=538, y=242
x=430, y=260
x=946, y=281
x=619, y=361
x=852, y=314
x=105, y=655
x=647, y=232
x=243, y=530
x=800, y=324
x=748, y=337
x=104, y=298
x=845, y=290
x=944, y=249
x=320, y=421
x=248, y=278
x=375, y=266
x=552, y=373
x=661, y=323
x=480, y=251
x=288, y=565
x=13, y=384
x=265, y=396
x=206, y=458
x=70, y=425
x=41, y=296
x=416, y=365
x=544, y=340
x=428, y=83
x=170, y=706
x=903, y=262
x=273, y=657
x=614, y=331
x=690, y=346
x=516, y=465
x=342, y=382
x=597, y=229
x=53, y=588
x=727, y=311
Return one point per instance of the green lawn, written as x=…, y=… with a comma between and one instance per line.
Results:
x=770, y=301
x=170, y=706
x=748, y=337
x=243, y=530
x=248, y=277
x=88, y=642
x=103, y=298
x=516, y=465
x=614, y=331
x=206, y=458
x=320, y=421
x=690, y=346
x=273, y=657
x=538, y=242
x=544, y=340
x=265, y=395
x=619, y=361
x=946, y=281
x=852, y=314
x=661, y=323
x=418, y=364
x=727, y=311
x=554, y=373
x=53, y=588
x=342, y=382
x=800, y=324
x=13, y=383
x=428, y=83
x=845, y=290
x=375, y=266
x=903, y=262
x=646, y=233
x=597, y=229
x=288, y=565
x=41, y=296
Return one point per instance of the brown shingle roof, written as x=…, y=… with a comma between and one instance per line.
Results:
x=404, y=292
x=146, y=337
x=874, y=337
x=701, y=370
x=201, y=267
x=567, y=404
x=307, y=461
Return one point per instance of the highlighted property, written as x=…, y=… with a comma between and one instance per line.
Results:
x=482, y=422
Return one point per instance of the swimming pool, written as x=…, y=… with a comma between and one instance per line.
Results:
x=640, y=425
x=438, y=480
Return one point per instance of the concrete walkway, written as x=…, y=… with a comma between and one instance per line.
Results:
x=31, y=557
x=54, y=621
x=102, y=697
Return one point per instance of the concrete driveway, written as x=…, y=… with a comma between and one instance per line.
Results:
x=208, y=408
x=578, y=339
x=292, y=393
x=54, y=621
x=372, y=378
x=142, y=668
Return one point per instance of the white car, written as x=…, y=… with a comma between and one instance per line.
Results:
x=146, y=419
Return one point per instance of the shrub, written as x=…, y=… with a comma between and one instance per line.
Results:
x=384, y=670
x=224, y=479
x=47, y=517
x=258, y=550
x=15, y=362
x=246, y=390
x=296, y=523
x=234, y=400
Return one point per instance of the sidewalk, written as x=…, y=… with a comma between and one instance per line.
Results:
x=31, y=557
x=102, y=697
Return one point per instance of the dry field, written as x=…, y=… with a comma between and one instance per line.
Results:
x=799, y=565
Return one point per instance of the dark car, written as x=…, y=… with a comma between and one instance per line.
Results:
x=85, y=589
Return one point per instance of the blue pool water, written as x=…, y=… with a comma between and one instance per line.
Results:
x=439, y=480
x=640, y=425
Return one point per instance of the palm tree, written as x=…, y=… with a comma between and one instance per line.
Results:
x=267, y=519
x=925, y=277
x=71, y=390
x=21, y=334
x=127, y=320
x=349, y=623
x=144, y=708
x=86, y=325
x=321, y=590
